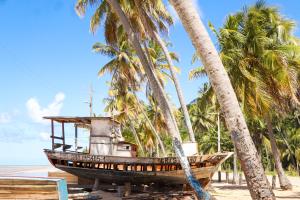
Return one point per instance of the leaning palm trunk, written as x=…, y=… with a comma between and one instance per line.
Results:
x=283, y=180
x=180, y=95
x=136, y=137
x=256, y=179
x=178, y=88
x=162, y=100
x=152, y=65
x=161, y=144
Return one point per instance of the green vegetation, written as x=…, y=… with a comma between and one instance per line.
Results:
x=261, y=56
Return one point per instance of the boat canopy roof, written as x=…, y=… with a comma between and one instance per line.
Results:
x=77, y=120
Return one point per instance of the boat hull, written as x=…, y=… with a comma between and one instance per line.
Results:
x=110, y=169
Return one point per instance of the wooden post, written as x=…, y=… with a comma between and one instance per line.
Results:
x=127, y=189
x=274, y=182
x=63, y=134
x=120, y=190
x=52, y=132
x=76, y=135
x=96, y=184
x=219, y=148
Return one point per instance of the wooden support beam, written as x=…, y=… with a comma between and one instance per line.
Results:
x=63, y=135
x=56, y=137
x=76, y=135
x=96, y=185
x=52, y=133
x=127, y=189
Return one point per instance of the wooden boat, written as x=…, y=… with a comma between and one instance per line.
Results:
x=115, y=161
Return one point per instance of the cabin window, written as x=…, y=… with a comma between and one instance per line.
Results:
x=149, y=168
x=158, y=167
x=119, y=167
x=124, y=147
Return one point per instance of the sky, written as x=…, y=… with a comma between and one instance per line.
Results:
x=47, y=67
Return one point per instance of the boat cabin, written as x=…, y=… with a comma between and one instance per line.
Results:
x=105, y=137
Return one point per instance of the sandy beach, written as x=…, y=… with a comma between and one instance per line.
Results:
x=224, y=191
x=221, y=191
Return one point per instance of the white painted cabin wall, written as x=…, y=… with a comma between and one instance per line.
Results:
x=102, y=141
x=100, y=146
x=190, y=148
x=101, y=136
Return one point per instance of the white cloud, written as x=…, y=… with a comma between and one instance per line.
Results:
x=19, y=132
x=175, y=15
x=36, y=112
x=5, y=118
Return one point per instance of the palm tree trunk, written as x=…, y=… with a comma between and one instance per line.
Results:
x=283, y=180
x=137, y=138
x=152, y=65
x=161, y=144
x=179, y=91
x=178, y=87
x=268, y=159
x=256, y=179
x=162, y=100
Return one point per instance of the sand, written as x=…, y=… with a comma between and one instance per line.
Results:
x=224, y=191
x=221, y=191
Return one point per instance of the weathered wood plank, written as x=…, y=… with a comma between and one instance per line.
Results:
x=70, y=178
x=32, y=188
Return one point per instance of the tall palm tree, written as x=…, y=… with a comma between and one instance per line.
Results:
x=260, y=55
x=126, y=74
x=160, y=96
x=151, y=13
x=288, y=137
x=256, y=179
x=123, y=102
x=148, y=18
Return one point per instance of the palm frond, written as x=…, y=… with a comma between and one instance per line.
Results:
x=197, y=73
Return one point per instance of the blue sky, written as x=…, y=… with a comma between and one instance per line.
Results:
x=47, y=67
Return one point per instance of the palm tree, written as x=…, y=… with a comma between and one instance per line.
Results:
x=123, y=102
x=160, y=96
x=148, y=17
x=127, y=74
x=288, y=132
x=260, y=55
x=256, y=179
x=153, y=14
x=152, y=127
